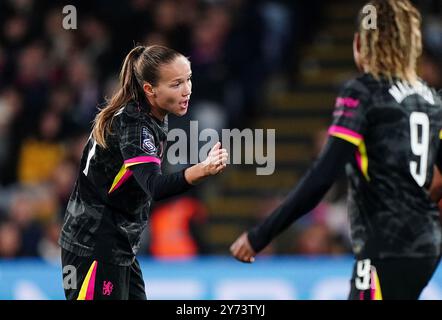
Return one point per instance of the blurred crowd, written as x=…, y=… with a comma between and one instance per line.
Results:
x=52, y=82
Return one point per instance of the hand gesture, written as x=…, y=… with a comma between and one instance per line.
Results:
x=216, y=160
x=242, y=250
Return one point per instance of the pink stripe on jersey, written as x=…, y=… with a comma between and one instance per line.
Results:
x=373, y=286
x=91, y=284
x=359, y=160
x=143, y=159
x=342, y=130
x=347, y=102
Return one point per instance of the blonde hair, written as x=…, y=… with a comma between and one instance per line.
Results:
x=142, y=64
x=393, y=47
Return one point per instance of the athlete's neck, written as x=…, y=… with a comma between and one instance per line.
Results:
x=156, y=111
x=158, y=114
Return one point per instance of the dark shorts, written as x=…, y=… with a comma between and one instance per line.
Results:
x=85, y=278
x=391, y=279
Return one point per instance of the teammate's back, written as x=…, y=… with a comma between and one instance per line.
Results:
x=396, y=127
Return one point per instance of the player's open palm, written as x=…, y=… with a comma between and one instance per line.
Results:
x=216, y=160
x=242, y=250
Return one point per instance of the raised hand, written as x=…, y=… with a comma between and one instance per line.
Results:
x=216, y=160
x=242, y=250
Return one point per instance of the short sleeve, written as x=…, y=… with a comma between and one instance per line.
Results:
x=138, y=144
x=349, y=116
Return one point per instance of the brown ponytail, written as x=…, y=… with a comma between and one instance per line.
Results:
x=130, y=90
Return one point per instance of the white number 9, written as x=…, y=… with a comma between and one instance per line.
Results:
x=363, y=268
x=419, y=145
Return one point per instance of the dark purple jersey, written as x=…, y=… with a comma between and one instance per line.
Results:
x=396, y=128
x=108, y=209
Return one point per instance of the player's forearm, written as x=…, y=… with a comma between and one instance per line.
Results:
x=307, y=194
x=195, y=174
x=300, y=201
x=160, y=186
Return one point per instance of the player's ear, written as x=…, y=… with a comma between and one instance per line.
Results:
x=148, y=89
x=357, y=42
x=357, y=51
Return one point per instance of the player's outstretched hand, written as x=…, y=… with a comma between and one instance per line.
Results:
x=216, y=160
x=242, y=250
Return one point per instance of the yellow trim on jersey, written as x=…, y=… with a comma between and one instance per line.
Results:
x=377, y=285
x=118, y=177
x=353, y=140
x=364, y=159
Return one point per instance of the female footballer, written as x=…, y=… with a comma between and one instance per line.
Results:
x=120, y=176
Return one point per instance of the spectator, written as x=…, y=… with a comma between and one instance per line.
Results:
x=175, y=229
x=40, y=154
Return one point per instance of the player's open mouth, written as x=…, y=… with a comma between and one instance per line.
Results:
x=184, y=104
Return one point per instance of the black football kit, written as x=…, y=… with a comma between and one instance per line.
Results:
x=110, y=204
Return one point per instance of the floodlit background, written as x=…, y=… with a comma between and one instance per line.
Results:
x=256, y=64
